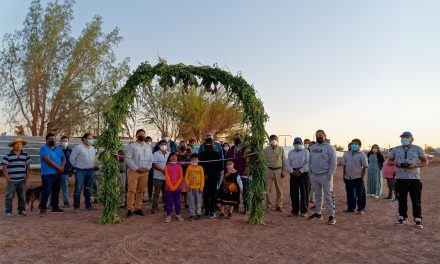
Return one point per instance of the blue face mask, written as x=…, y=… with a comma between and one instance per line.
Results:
x=90, y=142
x=297, y=147
x=405, y=141
x=354, y=147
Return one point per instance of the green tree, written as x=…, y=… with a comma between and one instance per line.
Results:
x=338, y=147
x=51, y=81
x=429, y=149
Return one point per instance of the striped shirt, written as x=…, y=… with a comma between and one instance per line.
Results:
x=16, y=165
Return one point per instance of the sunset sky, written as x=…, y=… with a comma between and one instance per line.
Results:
x=357, y=69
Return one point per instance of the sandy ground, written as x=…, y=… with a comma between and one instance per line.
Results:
x=370, y=238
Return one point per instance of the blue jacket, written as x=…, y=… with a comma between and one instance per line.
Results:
x=68, y=167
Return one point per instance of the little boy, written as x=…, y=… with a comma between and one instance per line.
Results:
x=195, y=180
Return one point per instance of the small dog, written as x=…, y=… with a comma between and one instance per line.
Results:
x=32, y=195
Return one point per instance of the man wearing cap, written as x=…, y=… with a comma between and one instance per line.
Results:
x=52, y=166
x=16, y=168
x=276, y=166
x=408, y=158
x=298, y=167
x=322, y=166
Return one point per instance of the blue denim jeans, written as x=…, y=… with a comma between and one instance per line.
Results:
x=355, y=189
x=64, y=182
x=83, y=179
x=51, y=187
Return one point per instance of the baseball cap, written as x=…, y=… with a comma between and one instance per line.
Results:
x=406, y=134
x=297, y=140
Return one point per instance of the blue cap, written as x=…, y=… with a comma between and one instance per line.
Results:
x=406, y=134
x=297, y=140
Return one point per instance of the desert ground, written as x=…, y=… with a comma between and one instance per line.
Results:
x=369, y=238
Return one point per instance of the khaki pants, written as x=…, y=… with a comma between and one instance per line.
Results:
x=137, y=183
x=274, y=176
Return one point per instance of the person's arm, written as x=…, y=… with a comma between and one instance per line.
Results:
x=423, y=159
x=186, y=176
x=364, y=166
x=63, y=161
x=289, y=166
x=392, y=159
x=51, y=163
x=364, y=172
x=28, y=168
x=5, y=173
x=129, y=154
x=202, y=180
x=283, y=160
x=333, y=161
x=179, y=181
x=168, y=180
x=305, y=166
x=240, y=184
x=73, y=157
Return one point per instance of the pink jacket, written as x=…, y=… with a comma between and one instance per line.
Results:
x=173, y=177
x=388, y=171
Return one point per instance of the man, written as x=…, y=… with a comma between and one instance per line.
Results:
x=149, y=141
x=171, y=145
x=160, y=159
x=83, y=160
x=16, y=168
x=237, y=154
x=307, y=144
x=68, y=171
x=408, y=159
x=298, y=167
x=322, y=166
x=52, y=166
x=355, y=169
x=212, y=168
x=139, y=159
x=276, y=166
x=193, y=145
x=217, y=146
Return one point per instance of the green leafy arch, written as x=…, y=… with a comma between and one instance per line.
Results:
x=186, y=76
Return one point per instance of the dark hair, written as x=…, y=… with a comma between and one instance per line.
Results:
x=171, y=154
x=306, y=139
x=358, y=141
x=208, y=141
x=162, y=141
x=273, y=136
x=50, y=134
x=195, y=155
x=313, y=142
x=140, y=130
x=85, y=135
x=148, y=137
x=63, y=137
x=322, y=131
x=226, y=143
x=380, y=157
x=182, y=141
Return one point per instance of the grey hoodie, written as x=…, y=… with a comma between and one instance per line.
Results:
x=323, y=159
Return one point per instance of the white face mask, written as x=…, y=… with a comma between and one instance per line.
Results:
x=306, y=145
x=163, y=147
x=148, y=143
x=274, y=143
x=375, y=150
x=226, y=148
x=194, y=163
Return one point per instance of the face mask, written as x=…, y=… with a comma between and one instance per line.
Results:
x=209, y=137
x=173, y=162
x=193, y=145
x=297, y=147
x=237, y=141
x=274, y=143
x=51, y=143
x=141, y=138
x=148, y=143
x=405, y=141
x=194, y=163
x=163, y=147
x=64, y=144
x=90, y=142
x=209, y=147
x=375, y=150
x=354, y=147
x=320, y=140
x=166, y=139
x=306, y=145
x=230, y=167
x=226, y=148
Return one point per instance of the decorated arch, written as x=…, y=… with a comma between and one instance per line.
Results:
x=186, y=77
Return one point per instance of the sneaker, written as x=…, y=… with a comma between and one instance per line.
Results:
x=401, y=221
x=279, y=209
x=66, y=205
x=91, y=208
x=76, y=210
x=168, y=219
x=304, y=215
x=211, y=216
x=229, y=216
x=8, y=214
x=222, y=216
x=418, y=223
x=22, y=213
x=191, y=218
x=360, y=212
x=42, y=212
x=144, y=201
x=179, y=218
x=388, y=198
x=331, y=220
x=348, y=211
x=129, y=214
x=139, y=212
x=315, y=216
x=57, y=210
x=198, y=217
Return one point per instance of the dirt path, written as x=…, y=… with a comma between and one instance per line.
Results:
x=371, y=238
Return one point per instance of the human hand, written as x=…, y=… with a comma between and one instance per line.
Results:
x=412, y=166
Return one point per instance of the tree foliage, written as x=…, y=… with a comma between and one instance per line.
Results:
x=168, y=76
x=51, y=81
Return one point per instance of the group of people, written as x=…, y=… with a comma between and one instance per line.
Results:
x=216, y=176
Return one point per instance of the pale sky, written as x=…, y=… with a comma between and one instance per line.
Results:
x=357, y=69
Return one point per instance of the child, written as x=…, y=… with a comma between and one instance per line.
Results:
x=173, y=186
x=389, y=173
x=195, y=180
x=230, y=190
x=16, y=168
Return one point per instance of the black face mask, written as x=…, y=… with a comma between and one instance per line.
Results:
x=141, y=138
x=320, y=140
x=51, y=143
x=237, y=141
x=182, y=148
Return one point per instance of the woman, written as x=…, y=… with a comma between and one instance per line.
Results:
x=375, y=165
